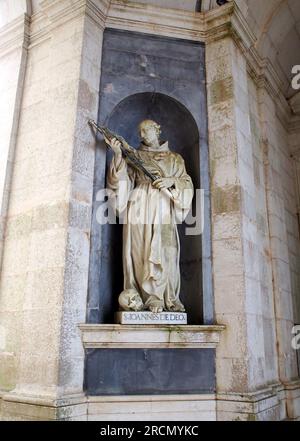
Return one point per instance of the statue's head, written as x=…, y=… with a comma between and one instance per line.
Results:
x=149, y=132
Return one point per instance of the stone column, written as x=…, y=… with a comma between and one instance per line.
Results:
x=294, y=142
x=46, y=256
x=293, y=391
x=14, y=34
x=13, y=54
x=281, y=192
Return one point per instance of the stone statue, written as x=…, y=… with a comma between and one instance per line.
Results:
x=150, y=238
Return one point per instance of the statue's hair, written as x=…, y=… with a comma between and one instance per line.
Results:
x=151, y=123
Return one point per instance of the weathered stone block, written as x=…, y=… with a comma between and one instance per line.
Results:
x=220, y=91
x=226, y=200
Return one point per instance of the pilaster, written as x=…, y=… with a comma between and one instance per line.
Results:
x=246, y=356
x=48, y=223
x=14, y=39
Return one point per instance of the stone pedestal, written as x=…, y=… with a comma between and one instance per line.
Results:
x=150, y=318
x=136, y=350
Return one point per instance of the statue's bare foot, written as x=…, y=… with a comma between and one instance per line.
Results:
x=155, y=309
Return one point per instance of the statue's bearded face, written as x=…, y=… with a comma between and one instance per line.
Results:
x=149, y=132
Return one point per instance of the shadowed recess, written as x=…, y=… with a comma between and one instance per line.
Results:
x=180, y=129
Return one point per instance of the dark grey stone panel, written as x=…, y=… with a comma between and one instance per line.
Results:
x=150, y=371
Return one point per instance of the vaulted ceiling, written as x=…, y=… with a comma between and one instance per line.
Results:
x=275, y=23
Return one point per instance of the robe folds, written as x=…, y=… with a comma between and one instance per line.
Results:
x=151, y=245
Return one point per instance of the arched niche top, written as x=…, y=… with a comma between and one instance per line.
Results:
x=177, y=124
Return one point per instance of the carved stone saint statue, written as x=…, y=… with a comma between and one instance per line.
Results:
x=150, y=238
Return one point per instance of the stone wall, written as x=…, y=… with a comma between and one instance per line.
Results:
x=284, y=233
x=294, y=142
x=255, y=232
x=13, y=56
x=44, y=273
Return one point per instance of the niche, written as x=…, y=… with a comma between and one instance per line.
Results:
x=147, y=76
x=179, y=128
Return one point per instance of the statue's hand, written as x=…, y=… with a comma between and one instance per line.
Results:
x=115, y=145
x=163, y=183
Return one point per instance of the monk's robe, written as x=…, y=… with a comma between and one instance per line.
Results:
x=151, y=245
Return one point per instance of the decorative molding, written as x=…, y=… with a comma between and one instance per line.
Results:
x=264, y=404
x=97, y=10
x=149, y=398
x=16, y=406
x=56, y=13
x=260, y=69
x=295, y=103
x=205, y=27
x=16, y=396
x=15, y=35
x=228, y=21
x=156, y=20
x=60, y=11
x=150, y=336
x=274, y=399
x=250, y=397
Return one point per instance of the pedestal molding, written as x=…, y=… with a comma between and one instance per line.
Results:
x=18, y=407
x=152, y=407
x=276, y=402
x=51, y=401
x=149, y=336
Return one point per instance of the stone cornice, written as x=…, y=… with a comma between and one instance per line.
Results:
x=228, y=21
x=260, y=69
x=15, y=35
x=145, y=18
x=97, y=10
x=61, y=11
x=204, y=27
x=56, y=13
